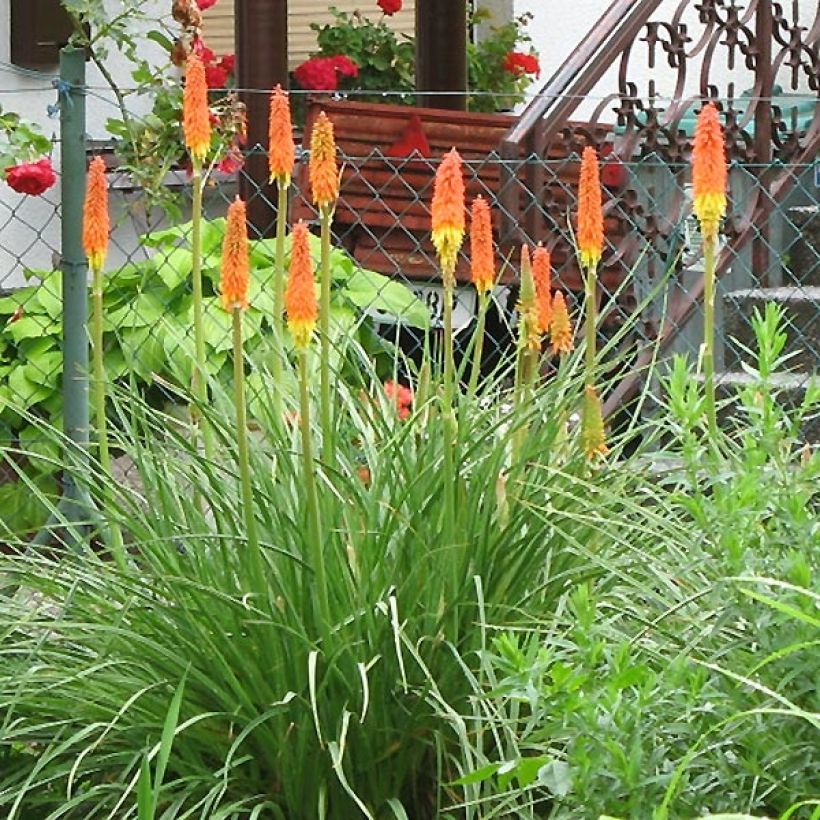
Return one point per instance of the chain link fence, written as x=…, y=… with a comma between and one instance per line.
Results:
x=387, y=288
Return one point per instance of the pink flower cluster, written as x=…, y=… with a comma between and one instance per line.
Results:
x=323, y=73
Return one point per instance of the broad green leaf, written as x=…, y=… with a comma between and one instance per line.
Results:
x=27, y=298
x=384, y=297
x=45, y=369
x=32, y=327
x=479, y=775
x=23, y=391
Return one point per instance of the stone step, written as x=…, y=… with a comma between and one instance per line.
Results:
x=802, y=306
x=791, y=391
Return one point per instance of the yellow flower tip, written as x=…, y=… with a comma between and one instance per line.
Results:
x=542, y=275
x=482, y=254
x=235, y=277
x=590, y=211
x=196, y=115
x=561, y=333
x=281, y=149
x=96, y=223
x=448, y=213
x=530, y=333
x=322, y=167
x=709, y=172
x=301, y=306
x=593, y=435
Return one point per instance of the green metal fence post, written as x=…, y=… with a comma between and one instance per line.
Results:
x=73, y=509
x=74, y=266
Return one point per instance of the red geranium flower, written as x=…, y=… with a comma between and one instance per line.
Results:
x=322, y=73
x=32, y=178
x=199, y=48
x=345, y=66
x=216, y=76
x=401, y=395
x=389, y=6
x=519, y=63
x=232, y=161
x=204, y=5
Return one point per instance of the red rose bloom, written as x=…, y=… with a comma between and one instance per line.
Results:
x=32, y=178
x=518, y=63
x=389, y=6
x=216, y=76
x=228, y=62
x=204, y=5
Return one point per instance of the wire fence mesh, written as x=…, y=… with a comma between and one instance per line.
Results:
x=386, y=281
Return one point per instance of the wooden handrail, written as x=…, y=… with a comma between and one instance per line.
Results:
x=561, y=94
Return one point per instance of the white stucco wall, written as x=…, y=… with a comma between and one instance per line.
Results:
x=29, y=228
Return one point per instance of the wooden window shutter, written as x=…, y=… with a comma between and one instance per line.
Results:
x=39, y=29
x=219, y=23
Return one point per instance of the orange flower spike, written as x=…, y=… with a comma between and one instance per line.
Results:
x=196, y=115
x=448, y=213
x=542, y=274
x=281, y=150
x=322, y=168
x=709, y=171
x=235, y=258
x=528, y=304
x=561, y=332
x=590, y=211
x=593, y=436
x=96, y=223
x=482, y=254
x=301, y=305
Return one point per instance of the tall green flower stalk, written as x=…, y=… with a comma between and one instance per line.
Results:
x=324, y=335
x=197, y=130
x=302, y=311
x=709, y=180
x=96, y=231
x=234, y=283
x=529, y=346
x=281, y=155
x=324, y=185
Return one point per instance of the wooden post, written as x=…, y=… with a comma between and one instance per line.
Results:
x=441, y=53
x=262, y=61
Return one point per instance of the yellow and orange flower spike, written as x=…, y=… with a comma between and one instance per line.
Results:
x=590, y=211
x=528, y=305
x=96, y=222
x=561, y=333
x=281, y=150
x=593, y=435
x=482, y=253
x=235, y=258
x=448, y=213
x=301, y=305
x=196, y=115
x=322, y=167
x=709, y=172
x=542, y=274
